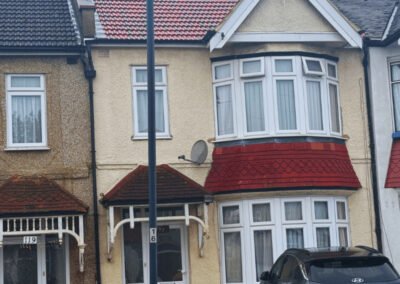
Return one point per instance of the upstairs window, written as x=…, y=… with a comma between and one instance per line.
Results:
x=395, y=82
x=26, y=111
x=140, y=102
x=276, y=96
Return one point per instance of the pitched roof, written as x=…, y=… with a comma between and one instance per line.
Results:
x=371, y=16
x=37, y=23
x=281, y=165
x=37, y=195
x=175, y=20
x=393, y=174
x=172, y=187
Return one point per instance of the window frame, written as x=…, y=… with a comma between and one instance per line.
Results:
x=234, y=117
x=334, y=64
x=307, y=71
x=334, y=133
x=27, y=92
x=276, y=58
x=142, y=86
x=278, y=227
x=239, y=230
x=393, y=105
x=296, y=105
x=246, y=133
x=271, y=112
x=254, y=74
x=217, y=64
x=303, y=211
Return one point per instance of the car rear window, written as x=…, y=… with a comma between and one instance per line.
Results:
x=354, y=270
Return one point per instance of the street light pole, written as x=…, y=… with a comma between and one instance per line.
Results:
x=151, y=143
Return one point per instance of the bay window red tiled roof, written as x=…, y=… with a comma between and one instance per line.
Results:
x=37, y=195
x=281, y=166
x=393, y=175
x=172, y=187
x=174, y=20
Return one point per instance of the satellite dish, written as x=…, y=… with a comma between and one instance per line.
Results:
x=198, y=154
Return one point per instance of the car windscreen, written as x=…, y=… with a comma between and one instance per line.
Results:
x=351, y=270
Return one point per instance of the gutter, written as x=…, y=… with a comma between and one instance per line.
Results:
x=90, y=74
x=374, y=180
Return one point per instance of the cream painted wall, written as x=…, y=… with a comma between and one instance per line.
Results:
x=285, y=16
x=190, y=102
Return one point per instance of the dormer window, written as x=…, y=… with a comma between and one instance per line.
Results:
x=276, y=96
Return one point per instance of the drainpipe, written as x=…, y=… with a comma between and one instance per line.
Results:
x=90, y=74
x=374, y=179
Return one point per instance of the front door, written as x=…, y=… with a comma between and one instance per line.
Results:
x=171, y=254
x=42, y=261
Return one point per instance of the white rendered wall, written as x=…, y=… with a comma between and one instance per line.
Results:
x=384, y=128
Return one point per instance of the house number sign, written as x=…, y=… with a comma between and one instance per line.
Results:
x=29, y=240
x=153, y=235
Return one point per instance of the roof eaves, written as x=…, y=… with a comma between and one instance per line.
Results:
x=331, y=13
x=231, y=23
x=389, y=24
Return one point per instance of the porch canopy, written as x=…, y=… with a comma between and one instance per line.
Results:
x=39, y=206
x=173, y=189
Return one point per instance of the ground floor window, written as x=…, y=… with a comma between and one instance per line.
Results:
x=255, y=232
x=34, y=260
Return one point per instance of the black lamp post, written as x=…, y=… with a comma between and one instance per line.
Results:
x=151, y=143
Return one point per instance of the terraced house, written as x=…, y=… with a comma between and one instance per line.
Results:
x=382, y=51
x=46, y=223
x=276, y=90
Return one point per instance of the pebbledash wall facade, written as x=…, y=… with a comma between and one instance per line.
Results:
x=280, y=102
x=46, y=223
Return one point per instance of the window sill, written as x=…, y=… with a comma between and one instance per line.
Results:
x=27, y=148
x=138, y=138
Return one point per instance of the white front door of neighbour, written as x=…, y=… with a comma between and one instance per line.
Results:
x=38, y=260
x=171, y=254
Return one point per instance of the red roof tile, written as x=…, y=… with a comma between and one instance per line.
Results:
x=281, y=165
x=172, y=186
x=174, y=20
x=393, y=175
x=37, y=195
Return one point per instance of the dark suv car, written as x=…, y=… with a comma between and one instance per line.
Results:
x=331, y=266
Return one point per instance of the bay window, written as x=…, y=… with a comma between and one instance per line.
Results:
x=26, y=111
x=276, y=96
x=395, y=83
x=140, y=107
x=264, y=228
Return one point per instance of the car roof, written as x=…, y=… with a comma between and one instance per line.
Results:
x=311, y=254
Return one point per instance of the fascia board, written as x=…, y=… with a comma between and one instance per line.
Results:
x=338, y=22
x=287, y=37
x=232, y=23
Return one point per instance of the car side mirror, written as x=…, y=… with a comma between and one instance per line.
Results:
x=265, y=276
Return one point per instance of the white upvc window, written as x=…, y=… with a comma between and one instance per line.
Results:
x=313, y=66
x=252, y=67
x=140, y=102
x=264, y=228
x=276, y=96
x=26, y=112
x=395, y=86
x=285, y=90
x=255, y=105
